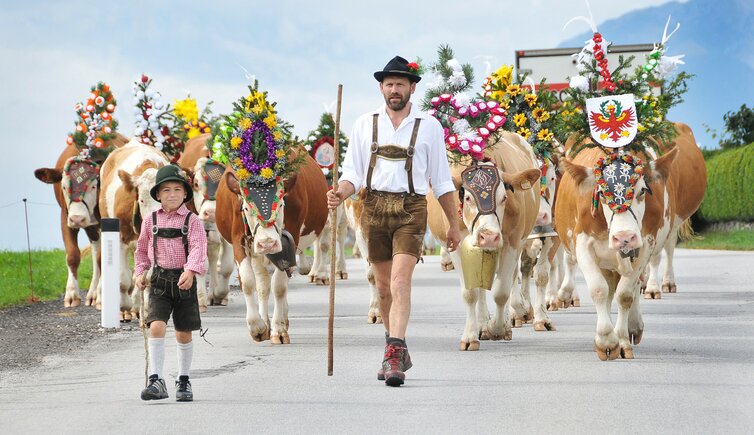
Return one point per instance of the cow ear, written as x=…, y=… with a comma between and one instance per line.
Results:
x=581, y=174
x=523, y=180
x=660, y=168
x=127, y=180
x=190, y=175
x=49, y=175
x=232, y=182
x=290, y=182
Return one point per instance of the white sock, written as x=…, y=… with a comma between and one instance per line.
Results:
x=185, y=354
x=156, y=356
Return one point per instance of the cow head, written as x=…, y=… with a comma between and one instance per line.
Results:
x=138, y=184
x=206, y=179
x=263, y=211
x=79, y=184
x=547, y=168
x=620, y=185
x=483, y=198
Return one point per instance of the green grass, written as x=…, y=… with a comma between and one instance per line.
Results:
x=736, y=240
x=50, y=274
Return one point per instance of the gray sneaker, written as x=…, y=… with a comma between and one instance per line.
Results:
x=405, y=361
x=183, y=391
x=156, y=389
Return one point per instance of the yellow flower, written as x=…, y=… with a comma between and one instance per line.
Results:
x=193, y=132
x=242, y=174
x=641, y=127
x=256, y=110
x=531, y=99
x=235, y=142
x=519, y=119
x=545, y=135
x=186, y=109
x=277, y=135
x=244, y=123
x=266, y=173
x=503, y=76
x=271, y=121
x=513, y=90
x=237, y=162
x=540, y=114
x=525, y=132
x=506, y=104
x=279, y=153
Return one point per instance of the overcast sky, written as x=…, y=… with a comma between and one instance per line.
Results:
x=299, y=51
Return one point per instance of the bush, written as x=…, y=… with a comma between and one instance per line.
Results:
x=730, y=186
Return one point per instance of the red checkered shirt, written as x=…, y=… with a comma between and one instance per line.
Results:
x=170, y=253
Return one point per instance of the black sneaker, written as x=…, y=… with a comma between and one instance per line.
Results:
x=183, y=390
x=405, y=361
x=156, y=389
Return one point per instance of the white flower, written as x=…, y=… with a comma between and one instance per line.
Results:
x=136, y=101
x=325, y=171
x=158, y=145
x=458, y=79
x=668, y=64
x=157, y=104
x=138, y=132
x=460, y=126
x=469, y=135
x=308, y=147
x=312, y=138
x=462, y=99
x=454, y=64
x=580, y=82
x=143, y=124
x=436, y=82
x=140, y=94
x=149, y=93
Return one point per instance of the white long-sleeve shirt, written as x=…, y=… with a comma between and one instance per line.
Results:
x=430, y=159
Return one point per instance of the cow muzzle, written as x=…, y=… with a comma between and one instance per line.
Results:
x=267, y=245
x=487, y=239
x=625, y=241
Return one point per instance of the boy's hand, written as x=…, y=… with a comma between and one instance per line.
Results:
x=141, y=281
x=186, y=280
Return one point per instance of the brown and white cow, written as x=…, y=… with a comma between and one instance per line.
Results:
x=613, y=248
x=687, y=185
x=304, y=213
x=505, y=230
x=79, y=212
x=206, y=175
x=126, y=178
x=319, y=272
x=354, y=206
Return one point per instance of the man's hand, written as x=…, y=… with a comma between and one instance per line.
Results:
x=334, y=199
x=453, y=238
x=141, y=281
x=186, y=280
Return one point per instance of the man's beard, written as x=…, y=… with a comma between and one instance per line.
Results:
x=397, y=105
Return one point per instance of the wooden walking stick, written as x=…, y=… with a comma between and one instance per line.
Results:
x=333, y=235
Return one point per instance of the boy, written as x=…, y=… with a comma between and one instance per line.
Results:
x=172, y=241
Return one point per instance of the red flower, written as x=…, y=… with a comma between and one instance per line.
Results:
x=413, y=67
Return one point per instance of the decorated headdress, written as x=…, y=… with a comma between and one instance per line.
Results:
x=257, y=144
x=154, y=122
x=189, y=122
x=95, y=124
x=321, y=144
x=469, y=122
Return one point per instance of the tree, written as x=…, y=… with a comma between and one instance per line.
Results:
x=739, y=128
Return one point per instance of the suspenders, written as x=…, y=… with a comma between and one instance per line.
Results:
x=393, y=152
x=169, y=233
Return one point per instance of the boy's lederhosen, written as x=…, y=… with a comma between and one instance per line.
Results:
x=164, y=295
x=394, y=223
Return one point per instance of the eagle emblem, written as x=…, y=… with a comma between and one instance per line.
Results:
x=612, y=120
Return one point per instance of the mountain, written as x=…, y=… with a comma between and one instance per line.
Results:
x=715, y=36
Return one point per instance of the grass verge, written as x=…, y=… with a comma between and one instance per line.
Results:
x=734, y=240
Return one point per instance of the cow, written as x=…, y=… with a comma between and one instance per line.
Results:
x=303, y=216
x=126, y=177
x=505, y=230
x=688, y=183
x=612, y=248
x=354, y=206
x=319, y=272
x=206, y=174
x=78, y=212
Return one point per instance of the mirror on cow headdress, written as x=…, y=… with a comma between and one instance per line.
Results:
x=82, y=174
x=213, y=173
x=482, y=181
x=286, y=258
x=616, y=176
x=265, y=200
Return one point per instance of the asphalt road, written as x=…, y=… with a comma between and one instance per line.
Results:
x=692, y=373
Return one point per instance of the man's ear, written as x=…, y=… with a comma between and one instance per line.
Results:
x=232, y=182
x=582, y=175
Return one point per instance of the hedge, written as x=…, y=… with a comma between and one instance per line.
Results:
x=730, y=186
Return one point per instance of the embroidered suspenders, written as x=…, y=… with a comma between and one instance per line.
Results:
x=393, y=152
x=169, y=233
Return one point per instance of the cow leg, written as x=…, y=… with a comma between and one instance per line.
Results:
x=555, y=279
x=627, y=295
x=542, y=321
x=374, y=315
x=263, y=281
x=91, y=295
x=279, y=333
x=520, y=301
x=257, y=327
x=319, y=271
x=668, y=279
x=224, y=269
x=129, y=304
x=446, y=263
x=566, y=293
x=470, y=337
x=72, y=259
x=340, y=267
x=499, y=326
x=653, y=289
x=606, y=342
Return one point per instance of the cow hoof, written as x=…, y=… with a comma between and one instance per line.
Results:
x=322, y=281
x=636, y=337
x=544, y=326
x=66, y=304
x=224, y=302
x=202, y=308
x=343, y=275
x=517, y=323
x=552, y=306
x=652, y=294
x=88, y=303
x=508, y=335
x=669, y=288
x=312, y=278
x=627, y=353
x=263, y=336
x=609, y=353
x=127, y=316
x=281, y=338
x=470, y=346
x=447, y=267
x=576, y=302
x=98, y=307
x=484, y=334
x=75, y=302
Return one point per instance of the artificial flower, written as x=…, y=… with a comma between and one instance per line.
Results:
x=539, y=114
x=266, y=173
x=519, y=119
x=545, y=135
x=524, y=132
x=531, y=99
x=236, y=142
x=513, y=89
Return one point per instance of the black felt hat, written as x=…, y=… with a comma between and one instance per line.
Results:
x=171, y=173
x=398, y=66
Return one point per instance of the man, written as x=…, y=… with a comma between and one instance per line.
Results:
x=393, y=153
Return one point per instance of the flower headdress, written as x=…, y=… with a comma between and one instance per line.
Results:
x=469, y=123
x=154, y=122
x=320, y=144
x=189, y=123
x=95, y=124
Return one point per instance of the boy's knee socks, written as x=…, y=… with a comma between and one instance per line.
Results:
x=156, y=356
x=185, y=354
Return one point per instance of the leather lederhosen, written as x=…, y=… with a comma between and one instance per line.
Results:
x=167, y=278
